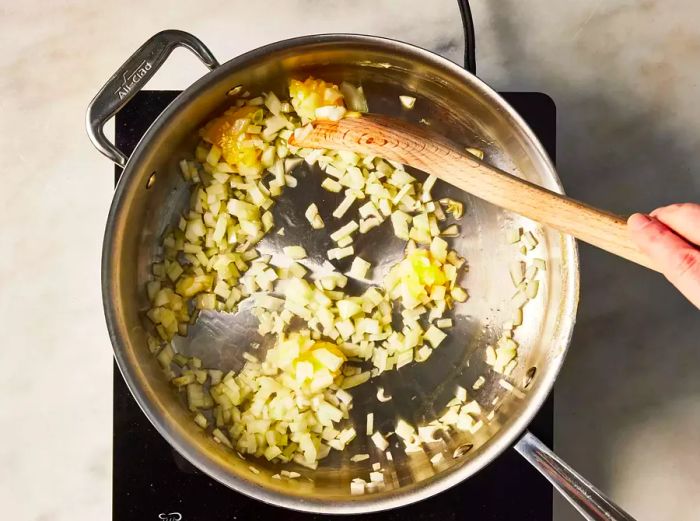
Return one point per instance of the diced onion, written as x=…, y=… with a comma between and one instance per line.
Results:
x=476, y=152
x=294, y=252
x=344, y=206
x=354, y=97
x=407, y=101
x=529, y=240
x=331, y=185
x=381, y=396
x=357, y=488
x=340, y=253
x=513, y=235
x=290, y=404
x=437, y=459
x=359, y=268
x=434, y=336
x=359, y=457
x=379, y=441
x=377, y=477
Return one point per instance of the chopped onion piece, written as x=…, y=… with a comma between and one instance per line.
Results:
x=201, y=420
x=461, y=394
x=517, y=272
x=353, y=381
x=344, y=231
x=379, y=441
x=376, y=477
x=381, y=396
x=330, y=112
x=434, y=336
x=479, y=383
x=450, y=231
x=426, y=433
x=404, y=430
x=532, y=289
x=530, y=272
x=340, y=253
x=369, y=209
x=400, y=221
x=517, y=317
x=490, y=355
x=475, y=152
x=370, y=424
x=529, y=240
x=294, y=252
x=354, y=97
x=220, y=437
x=345, y=241
x=357, y=488
x=359, y=457
x=476, y=427
x=313, y=217
x=444, y=323
x=459, y=294
x=423, y=354
x=407, y=101
x=331, y=185
x=437, y=459
x=508, y=369
x=519, y=299
x=359, y=268
x=369, y=223
x=513, y=235
x=344, y=206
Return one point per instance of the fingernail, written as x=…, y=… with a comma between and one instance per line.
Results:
x=638, y=221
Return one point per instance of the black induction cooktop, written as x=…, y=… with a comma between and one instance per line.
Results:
x=152, y=482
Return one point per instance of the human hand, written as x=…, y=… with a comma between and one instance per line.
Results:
x=670, y=236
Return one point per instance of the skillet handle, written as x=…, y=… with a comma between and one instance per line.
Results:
x=130, y=78
x=591, y=503
x=469, y=39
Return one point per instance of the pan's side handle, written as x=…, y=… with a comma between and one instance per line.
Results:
x=587, y=499
x=131, y=78
x=469, y=39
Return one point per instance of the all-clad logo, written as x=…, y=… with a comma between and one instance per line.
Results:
x=172, y=516
x=130, y=79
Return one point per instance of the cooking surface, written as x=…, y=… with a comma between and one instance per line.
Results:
x=625, y=76
x=151, y=479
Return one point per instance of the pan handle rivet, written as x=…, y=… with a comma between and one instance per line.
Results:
x=529, y=376
x=462, y=450
x=151, y=180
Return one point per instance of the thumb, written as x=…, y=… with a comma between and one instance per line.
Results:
x=679, y=260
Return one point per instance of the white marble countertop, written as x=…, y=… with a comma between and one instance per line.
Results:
x=625, y=77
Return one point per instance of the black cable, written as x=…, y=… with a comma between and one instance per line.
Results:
x=469, y=45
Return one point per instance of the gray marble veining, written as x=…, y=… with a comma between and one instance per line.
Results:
x=625, y=77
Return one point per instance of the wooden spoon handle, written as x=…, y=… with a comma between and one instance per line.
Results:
x=422, y=149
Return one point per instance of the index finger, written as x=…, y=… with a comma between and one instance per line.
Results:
x=683, y=218
x=679, y=261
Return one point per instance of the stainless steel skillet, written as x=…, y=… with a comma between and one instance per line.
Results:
x=151, y=195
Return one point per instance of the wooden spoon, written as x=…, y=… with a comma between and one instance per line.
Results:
x=425, y=150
